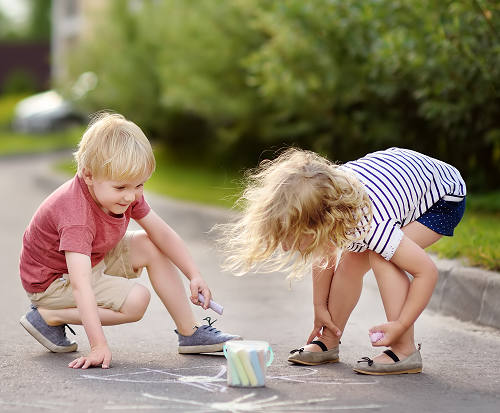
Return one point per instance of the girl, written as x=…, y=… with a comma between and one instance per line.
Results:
x=379, y=212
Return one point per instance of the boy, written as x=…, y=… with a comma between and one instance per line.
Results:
x=77, y=258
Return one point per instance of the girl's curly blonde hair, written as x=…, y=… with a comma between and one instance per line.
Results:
x=298, y=194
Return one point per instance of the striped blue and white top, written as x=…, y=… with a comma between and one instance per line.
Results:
x=402, y=185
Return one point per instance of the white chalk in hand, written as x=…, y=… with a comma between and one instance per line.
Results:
x=374, y=337
x=213, y=305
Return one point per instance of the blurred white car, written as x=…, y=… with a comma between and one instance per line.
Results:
x=49, y=111
x=44, y=112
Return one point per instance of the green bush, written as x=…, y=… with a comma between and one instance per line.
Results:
x=7, y=106
x=342, y=77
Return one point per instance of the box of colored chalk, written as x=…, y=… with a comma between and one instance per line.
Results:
x=247, y=362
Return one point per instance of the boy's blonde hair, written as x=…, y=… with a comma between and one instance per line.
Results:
x=114, y=148
x=299, y=193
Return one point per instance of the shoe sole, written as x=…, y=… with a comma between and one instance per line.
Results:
x=210, y=348
x=314, y=364
x=413, y=371
x=44, y=341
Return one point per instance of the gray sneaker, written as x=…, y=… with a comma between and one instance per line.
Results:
x=52, y=337
x=206, y=339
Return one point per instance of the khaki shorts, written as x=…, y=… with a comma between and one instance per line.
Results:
x=111, y=281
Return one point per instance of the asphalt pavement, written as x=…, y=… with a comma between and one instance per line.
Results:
x=461, y=358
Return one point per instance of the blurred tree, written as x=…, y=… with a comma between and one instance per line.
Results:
x=39, y=20
x=7, y=29
x=342, y=77
x=360, y=76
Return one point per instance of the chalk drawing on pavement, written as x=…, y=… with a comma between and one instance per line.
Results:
x=214, y=379
x=243, y=404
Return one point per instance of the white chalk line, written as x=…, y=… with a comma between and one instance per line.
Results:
x=44, y=405
x=239, y=406
x=214, y=383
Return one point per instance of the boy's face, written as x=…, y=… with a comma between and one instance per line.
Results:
x=114, y=197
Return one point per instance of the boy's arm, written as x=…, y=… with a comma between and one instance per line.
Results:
x=171, y=244
x=80, y=273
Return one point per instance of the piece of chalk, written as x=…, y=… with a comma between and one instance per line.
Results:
x=213, y=305
x=262, y=360
x=247, y=365
x=233, y=374
x=374, y=337
x=239, y=369
x=254, y=359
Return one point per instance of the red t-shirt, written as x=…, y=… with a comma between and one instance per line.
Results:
x=70, y=220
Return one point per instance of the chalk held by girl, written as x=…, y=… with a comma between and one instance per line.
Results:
x=78, y=261
x=378, y=212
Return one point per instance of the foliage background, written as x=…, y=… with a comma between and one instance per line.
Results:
x=222, y=82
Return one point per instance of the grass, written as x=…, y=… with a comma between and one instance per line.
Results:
x=193, y=182
x=12, y=143
x=477, y=239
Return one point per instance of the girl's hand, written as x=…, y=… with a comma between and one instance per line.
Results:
x=322, y=318
x=98, y=355
x=198, y=285
x=391, y=330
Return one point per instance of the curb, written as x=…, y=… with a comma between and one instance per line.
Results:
x=466, y=293
x=469, y=294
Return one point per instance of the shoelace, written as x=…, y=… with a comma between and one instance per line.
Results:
x=64, y=326
x=209, y=327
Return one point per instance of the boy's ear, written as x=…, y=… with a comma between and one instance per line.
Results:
x=87, y=176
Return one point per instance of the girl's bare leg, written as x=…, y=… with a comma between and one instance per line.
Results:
x=345, y=290
x=394, y=284
x=166, y=281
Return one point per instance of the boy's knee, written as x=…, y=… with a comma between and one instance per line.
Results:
x=137, y=302
x=144, y=249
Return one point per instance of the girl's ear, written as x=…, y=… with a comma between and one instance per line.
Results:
x=87, y=176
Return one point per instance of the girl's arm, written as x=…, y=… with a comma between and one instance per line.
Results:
x=171, y=244
x=322, y=280
x=80, y=275
x=411, y=258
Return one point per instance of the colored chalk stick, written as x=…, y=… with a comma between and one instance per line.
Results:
x=262, y=359
x=239, y=369
x=259, y=373
x=212, y=304
x=247, y=365
x=233, y=374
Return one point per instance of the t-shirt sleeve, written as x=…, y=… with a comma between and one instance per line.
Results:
x=385, y=237
x=140, y=209
x=76, y=238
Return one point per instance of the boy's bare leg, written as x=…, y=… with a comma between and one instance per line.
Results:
x=132, y=310
x=345, y=290
x=394, y=285
x=166, y=281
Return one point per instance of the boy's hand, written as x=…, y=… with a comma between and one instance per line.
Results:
x=198, y=285
x=98, y=355
x=391, y=330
